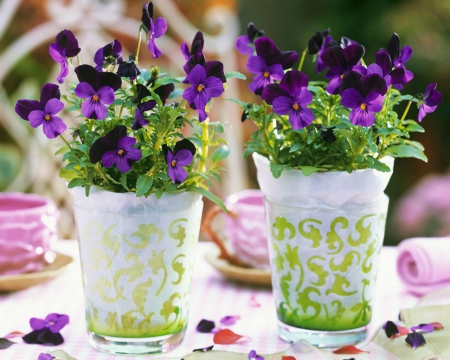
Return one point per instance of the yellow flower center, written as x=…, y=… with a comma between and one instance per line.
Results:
x=295, y=106
x=173, y=163
x=266, y=74
x=200, y=88
x=342, y=76
x=95, y=98
x=47, y=117
x=363, y=106
x=120, y=152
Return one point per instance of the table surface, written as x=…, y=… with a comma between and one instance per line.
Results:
x=212, y=297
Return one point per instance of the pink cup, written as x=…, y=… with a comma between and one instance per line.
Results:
x=245, y=228
x=27, y=231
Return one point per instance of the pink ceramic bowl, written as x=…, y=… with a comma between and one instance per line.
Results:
x=27, y=231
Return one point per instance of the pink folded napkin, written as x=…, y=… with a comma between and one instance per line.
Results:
x=423, y=264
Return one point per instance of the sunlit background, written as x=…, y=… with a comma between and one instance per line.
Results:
x=419, y=192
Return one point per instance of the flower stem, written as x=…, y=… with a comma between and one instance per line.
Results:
x=138, y=47
x=66, y=142
x=105, y=179
x=300, y=65
x=79, y=60
x=205, y=145
x=406, y=110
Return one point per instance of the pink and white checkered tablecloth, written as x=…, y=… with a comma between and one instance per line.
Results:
x=212, y=297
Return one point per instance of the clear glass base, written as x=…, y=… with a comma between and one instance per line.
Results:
x=135, y=346
x=322, y=339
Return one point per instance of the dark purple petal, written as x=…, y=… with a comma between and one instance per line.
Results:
x=43, y=337
x=361, y=117
x=390, y=329
x=202, y=114
x=353, y=54
x=160, y=27
x=244, y=45
x=259, y=83
x=266, y=48
x=24, y=107
x=86, y=73
x=333, y=56
x=372, y=82
x=315, y=43
x=271, y=92
x=183, y=157
x=256, y=65
x=185, y=144
x=128, y=69
x=147, y=14
x=99, y=59
x=63, y=72
x=320, y=65
x=301, y=118
x=423, y=328
x=139, y=120
x=215, y=68
x=133, y=155
x=333, y=85
x=106, y=95
x=147, y=105
x=287, y=59
x=350, y=81
x=67, y=40
x=351, y=98
x=106, y=143
x=293, y=80
x=197, y=59
x=208, y=348
x=358, y=68
x=185, y=51
x=126, y=142
x=197, y=43
x=415, y=339
x=424, y=109
x=164, y=91
x=394, y=46
x=432, y=96
x=142, y=92
x=398, y=76
x=384, y=60
x=205, y=326
x=84, y=90
x=335, y=71
x=328, y=134
x=190, y=94
x=49, y=91
x=405, y=55
x=107, y=79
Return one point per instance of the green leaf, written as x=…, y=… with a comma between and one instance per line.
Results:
x=295, y=147
x=68, y=174
x=209, y=195
x=176, y=93
x=76, y=182
x=414, y=127
x=276, y=170
x=123, y=181
x=62, y=150
x=166, y=80
x=236, y=75
x=5, y=343
x=237, y=101
x=415, y=144
x=406, y=151
x=308, y=170
x=220, y=153
x=143, y=185
x=159, y=193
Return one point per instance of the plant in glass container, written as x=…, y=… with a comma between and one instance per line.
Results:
x=137, y=178
x=324, y=154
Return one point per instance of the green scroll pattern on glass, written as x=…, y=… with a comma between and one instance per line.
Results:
x=324, y=265
x=136, y=274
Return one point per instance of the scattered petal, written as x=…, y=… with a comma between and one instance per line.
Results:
x=14, y=334
x=230, y=319
x=43, y=356
x=253, y=302
x=61, y=355
x=5, y=343
x=437, y=326
x=205, y=326
x=401, y=331
x=415, y=339
x=288, y=358
x=349, y=350
x=390, y=328
x=208, y=348
x=423, y=328
x=252, y=355
x=225, y=337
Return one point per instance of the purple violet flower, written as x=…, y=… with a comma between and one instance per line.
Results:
x=245, y=43
x=423, y=328
x=196, y=47
x=98, y=88
x=44, y=112
x=128, y=69
x=182, y=155
x=252, y=355
x=110, y=54
x=340, y=62
x=46, y=332
x=264, y=74
x=205, y=326
x=290, y=97
x=202, y=89
x=384, y=68
x=399, y=58
x=65, y=47
x=229, y=319
x=390, y=329
x=266, y=49
x=155, y=29
x=431, y=99
x=139, y=119
x=364, y=95
x=115, y=148
x=327, y=134
x=317, y=45
x=415, y=339
x=43, y=356
x=212, y=68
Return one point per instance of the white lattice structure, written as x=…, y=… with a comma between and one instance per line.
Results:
x=92, y=21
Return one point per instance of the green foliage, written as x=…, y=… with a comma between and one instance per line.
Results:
x=150, y=174
x=355, y=147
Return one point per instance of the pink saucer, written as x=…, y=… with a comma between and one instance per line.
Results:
x=27, y=231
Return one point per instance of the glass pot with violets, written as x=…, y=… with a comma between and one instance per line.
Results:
x=137, y=165
x=324, y=154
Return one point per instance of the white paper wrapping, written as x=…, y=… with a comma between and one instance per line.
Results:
x=334, y=189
